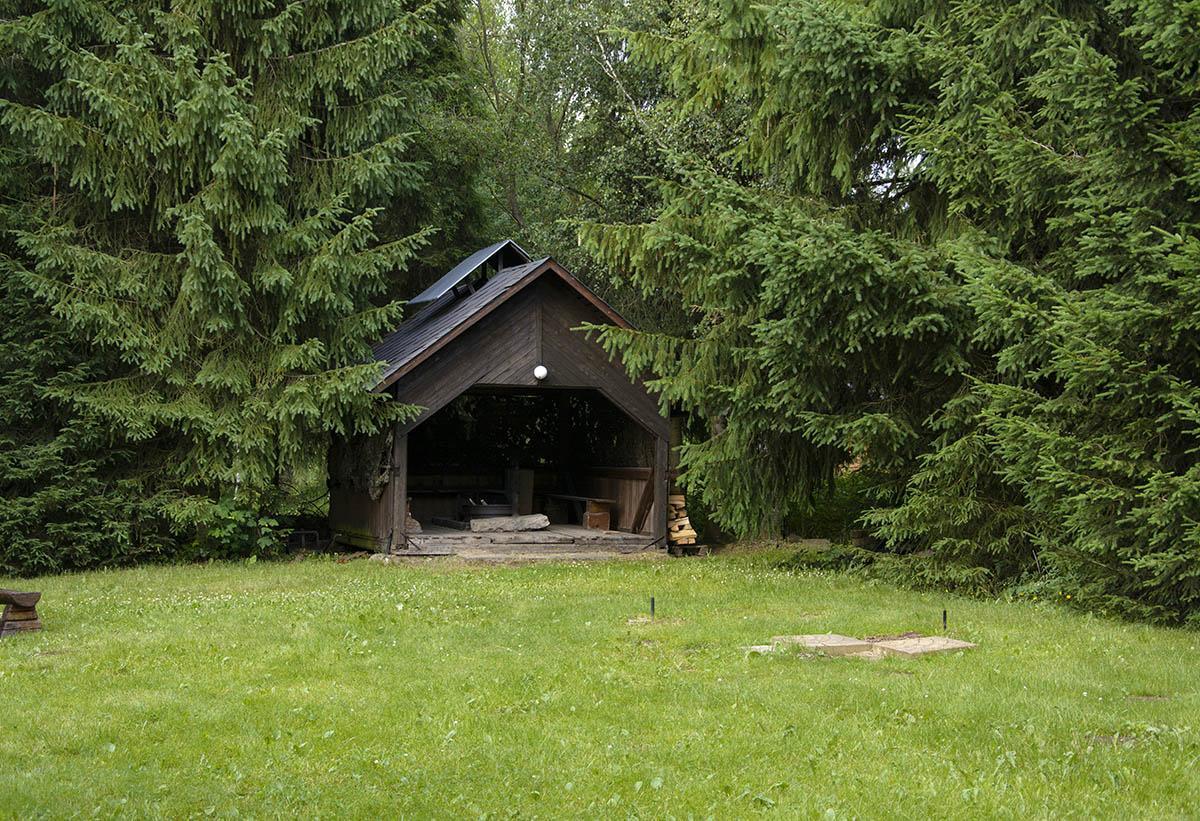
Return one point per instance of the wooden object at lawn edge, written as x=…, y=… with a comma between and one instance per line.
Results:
x=20, y=612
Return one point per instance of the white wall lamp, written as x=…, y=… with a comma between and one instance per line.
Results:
x=540, y=372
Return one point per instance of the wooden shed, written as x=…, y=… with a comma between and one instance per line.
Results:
x=519, y=413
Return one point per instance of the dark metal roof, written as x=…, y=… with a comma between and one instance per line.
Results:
x=434, y=321
x=507, y=252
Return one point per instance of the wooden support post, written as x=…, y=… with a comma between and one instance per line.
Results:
x=645, y=502
x=661, y=472
x=399, y=487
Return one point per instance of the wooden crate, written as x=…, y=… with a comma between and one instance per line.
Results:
x=597, y=516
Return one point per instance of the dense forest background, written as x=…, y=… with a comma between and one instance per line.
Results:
x=932, y=266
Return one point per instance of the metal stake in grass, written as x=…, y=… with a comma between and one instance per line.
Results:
x=651, y=607
x=943, y=619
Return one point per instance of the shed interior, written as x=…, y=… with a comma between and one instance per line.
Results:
x=533, y=450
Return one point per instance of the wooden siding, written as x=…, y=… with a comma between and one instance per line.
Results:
x=501, y=350
x=529, y=327
x=431, y=329
x=627, y=492
x=357, y=519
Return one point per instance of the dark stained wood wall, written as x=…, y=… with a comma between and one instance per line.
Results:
x=532, y=327
x=502, y=350
x=358, y=520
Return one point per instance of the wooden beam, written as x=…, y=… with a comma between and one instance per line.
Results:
x=661, y=456
x=621, y=473
x=399, y=487
x=645, y=502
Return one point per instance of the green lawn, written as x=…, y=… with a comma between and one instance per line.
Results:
x=443, y=690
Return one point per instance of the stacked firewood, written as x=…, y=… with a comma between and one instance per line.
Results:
x=19, y=612
x=679, y=526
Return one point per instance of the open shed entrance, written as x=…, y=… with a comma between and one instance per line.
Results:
x=567, y=453
x=517, y=413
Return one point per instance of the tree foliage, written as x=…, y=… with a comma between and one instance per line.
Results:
x=72, y=494
x=562, y=136
x=951, y=245
x=816, y=342
x=219, y=200
x=1033, y=169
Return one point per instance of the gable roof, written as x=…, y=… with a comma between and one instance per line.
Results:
x=436, y=324
x=504, y=253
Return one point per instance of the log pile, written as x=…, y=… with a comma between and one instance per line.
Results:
x=19, y=613
x=679, y=526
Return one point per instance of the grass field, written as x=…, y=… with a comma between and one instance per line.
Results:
x=440, y=690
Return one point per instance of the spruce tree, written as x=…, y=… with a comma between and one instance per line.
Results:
x=1069, y=139
x=72, y=493
x=230, y=192
x=825, y=332
x=1033, y=167
x=817, y=342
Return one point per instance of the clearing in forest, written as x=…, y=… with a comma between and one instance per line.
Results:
x=445, y=689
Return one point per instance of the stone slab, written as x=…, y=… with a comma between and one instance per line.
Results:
x=923, y=646
x=830, y=644
x=510, y=524
x=874, y=654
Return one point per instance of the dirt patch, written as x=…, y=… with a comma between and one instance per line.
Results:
x=643, y=620
x=1147, y=697
x=1117, y=740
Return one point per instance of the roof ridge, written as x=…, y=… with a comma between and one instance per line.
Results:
x=466, y=267
x=533, y=263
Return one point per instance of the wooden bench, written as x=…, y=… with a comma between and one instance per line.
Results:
x=20, y=612
x=594, y=513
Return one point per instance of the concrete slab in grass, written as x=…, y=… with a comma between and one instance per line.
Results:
x=923, y=646
x=830, y=644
